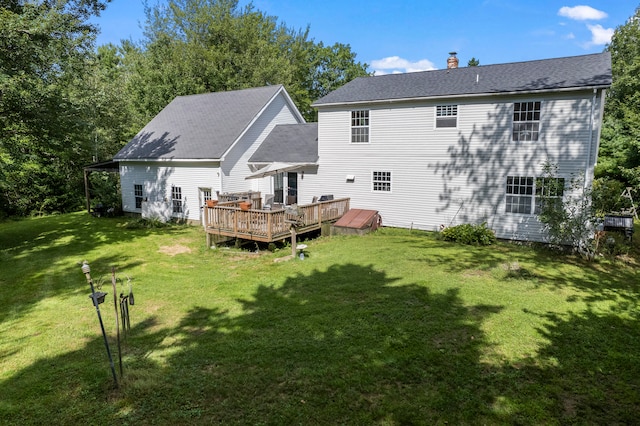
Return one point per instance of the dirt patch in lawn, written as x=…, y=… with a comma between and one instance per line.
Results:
x=174, y=249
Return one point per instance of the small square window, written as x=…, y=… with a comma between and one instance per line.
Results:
x=382, y=181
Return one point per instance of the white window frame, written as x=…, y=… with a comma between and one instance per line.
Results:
x=523, y=193
x=138, y=195
x=542, y=189
x=381, y=181
x=445, y=115
x=177, y=202
x=360, y=130
x=525, y=125
x=207, y=194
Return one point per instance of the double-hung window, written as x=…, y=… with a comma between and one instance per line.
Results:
x=526, y=194
x=138, y=194
x=176, y=199
x=381, y=181
x=548, y=190
x=519, y=194
x=360, y=126
x=526, y=121
x=446, y=116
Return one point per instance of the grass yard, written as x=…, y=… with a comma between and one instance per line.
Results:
x=395, y=327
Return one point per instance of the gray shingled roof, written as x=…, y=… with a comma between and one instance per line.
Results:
x=198, y=126
x=541, y=75
x=289, y=143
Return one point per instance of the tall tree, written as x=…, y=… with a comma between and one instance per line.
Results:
x=473, y=62
x=43, y=48
x=195, y=46
x=620, y=148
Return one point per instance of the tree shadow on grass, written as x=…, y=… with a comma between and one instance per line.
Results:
x=599, y=280
x=589, y=373
x=43, y=255
x=341, y=346
x=346, y=345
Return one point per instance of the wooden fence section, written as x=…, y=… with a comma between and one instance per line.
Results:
x=228, y=220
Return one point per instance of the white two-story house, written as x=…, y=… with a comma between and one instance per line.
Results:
x=426, y=149
x=461, y=145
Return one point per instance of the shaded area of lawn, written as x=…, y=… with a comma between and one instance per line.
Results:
x=391, y=328
x=327, y=348
x=40, y=256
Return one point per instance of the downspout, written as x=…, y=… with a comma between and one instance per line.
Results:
x=591, y=130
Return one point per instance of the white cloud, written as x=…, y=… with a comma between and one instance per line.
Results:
x=396, y=64
x=582, y=13
x=600, y=35
x=570, y=36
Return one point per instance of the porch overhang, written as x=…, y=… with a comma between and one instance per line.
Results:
x=278, y=167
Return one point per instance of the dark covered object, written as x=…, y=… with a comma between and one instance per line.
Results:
x=622, y=224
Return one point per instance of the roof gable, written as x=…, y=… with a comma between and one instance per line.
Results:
x=200, y=126
x=542, y=75
x=290, y=143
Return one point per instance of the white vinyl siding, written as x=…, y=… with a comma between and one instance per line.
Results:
x=157, y=181
x=228, y=175
x=447, y=178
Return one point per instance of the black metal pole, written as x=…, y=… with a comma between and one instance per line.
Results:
x=104, y=333
x=115, y=307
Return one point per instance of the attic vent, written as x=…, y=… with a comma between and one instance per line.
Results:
x=452, y=61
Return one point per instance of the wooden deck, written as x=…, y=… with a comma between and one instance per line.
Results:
x=228, y=220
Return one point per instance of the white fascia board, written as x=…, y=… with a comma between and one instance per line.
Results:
x=288, y=99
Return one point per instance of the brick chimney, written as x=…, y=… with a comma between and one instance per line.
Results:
x=452, y=61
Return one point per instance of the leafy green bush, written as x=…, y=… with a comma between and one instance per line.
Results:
x=470, y=234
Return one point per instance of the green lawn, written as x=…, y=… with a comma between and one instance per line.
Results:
x=395, y=327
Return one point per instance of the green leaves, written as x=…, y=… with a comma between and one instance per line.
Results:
x=44, y=46
x=196, y=46
x=620, y=147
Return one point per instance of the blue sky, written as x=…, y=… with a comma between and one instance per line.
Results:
x=416, y=35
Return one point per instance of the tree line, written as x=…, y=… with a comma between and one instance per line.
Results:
x=65, y=103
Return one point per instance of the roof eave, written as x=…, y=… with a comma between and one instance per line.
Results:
x=462, y=95
x=167, y=160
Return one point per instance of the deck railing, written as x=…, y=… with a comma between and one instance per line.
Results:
x=271, y=225
x=254, y=196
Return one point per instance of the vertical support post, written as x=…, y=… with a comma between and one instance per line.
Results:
x=86, y=190
x=87, y=274
x=293, y=241
x=115, y=306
